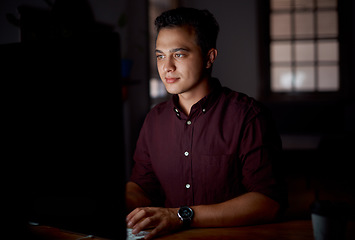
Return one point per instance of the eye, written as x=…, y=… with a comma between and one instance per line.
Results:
x=179, y=55
x=159, y=57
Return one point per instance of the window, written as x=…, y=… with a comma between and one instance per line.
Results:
x=304, y=46
x=305, y=49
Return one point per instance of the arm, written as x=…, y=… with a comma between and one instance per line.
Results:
x=247, y=209
x=250, y=208
x=135, y=197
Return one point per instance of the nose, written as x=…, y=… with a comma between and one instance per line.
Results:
x=169, y=65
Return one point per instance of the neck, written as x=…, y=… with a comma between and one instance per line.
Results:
x=188, y=99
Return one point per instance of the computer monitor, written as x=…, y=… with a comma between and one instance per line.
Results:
x=65, y=135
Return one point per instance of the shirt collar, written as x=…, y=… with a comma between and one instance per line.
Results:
x=205, y=103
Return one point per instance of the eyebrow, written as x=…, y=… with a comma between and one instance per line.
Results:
x=173, y=50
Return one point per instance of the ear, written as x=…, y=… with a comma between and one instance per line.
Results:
x=211, y=57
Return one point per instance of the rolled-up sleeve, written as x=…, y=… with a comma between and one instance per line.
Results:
x=142, y=172
x=260, y=154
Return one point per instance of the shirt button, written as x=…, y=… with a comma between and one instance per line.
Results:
x=187, y=186
x=186, y=153
x=204, y=110
x=176, y=110
x=188, y=122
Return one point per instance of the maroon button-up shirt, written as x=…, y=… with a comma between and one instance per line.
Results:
x=227, y=146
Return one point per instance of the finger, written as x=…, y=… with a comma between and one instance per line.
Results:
x=138, y=217
x=134, y=212
x=131, y=214
x=146, y=223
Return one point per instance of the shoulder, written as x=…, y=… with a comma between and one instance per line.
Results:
x=241, y=102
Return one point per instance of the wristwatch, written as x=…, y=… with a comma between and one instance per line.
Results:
x=185, y=214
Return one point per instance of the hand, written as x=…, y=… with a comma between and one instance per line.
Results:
x=162, y=220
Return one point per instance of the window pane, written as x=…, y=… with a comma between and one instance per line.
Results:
x=280, y=52
x=157, y=88
x=281, y=79
x=280, y=26
x=304, y=4
x=304, y=24
x=328, y=78
x=280, y=4
x=327, y=3
x=328, y=50
x=304, y=79
x=304, y=51
x=327, y=23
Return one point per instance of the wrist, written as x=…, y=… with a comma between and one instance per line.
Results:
x=186, y=215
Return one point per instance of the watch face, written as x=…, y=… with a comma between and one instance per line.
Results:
x=185, y=212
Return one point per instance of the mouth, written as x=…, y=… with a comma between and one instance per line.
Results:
x=171, y=79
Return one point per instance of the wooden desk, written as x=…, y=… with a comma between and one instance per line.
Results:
x=290, y=230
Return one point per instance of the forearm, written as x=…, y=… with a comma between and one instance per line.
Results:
x=248, y=209
x=135, y=197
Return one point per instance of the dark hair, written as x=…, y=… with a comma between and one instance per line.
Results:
x=204, y=23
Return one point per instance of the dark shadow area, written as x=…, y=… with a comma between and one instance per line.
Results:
x=63, y=115
x=318, y=140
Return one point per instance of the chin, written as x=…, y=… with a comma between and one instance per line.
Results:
x=172, y=90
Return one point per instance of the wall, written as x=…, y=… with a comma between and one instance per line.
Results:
x=236, y=65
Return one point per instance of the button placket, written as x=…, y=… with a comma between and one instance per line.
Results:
x=187, y=155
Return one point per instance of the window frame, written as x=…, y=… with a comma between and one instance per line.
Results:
x=345, y=61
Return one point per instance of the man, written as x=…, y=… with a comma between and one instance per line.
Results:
x=207, y=157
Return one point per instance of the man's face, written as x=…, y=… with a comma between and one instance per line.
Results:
x=179, y=60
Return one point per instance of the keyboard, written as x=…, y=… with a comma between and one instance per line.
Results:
x=131, y=236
